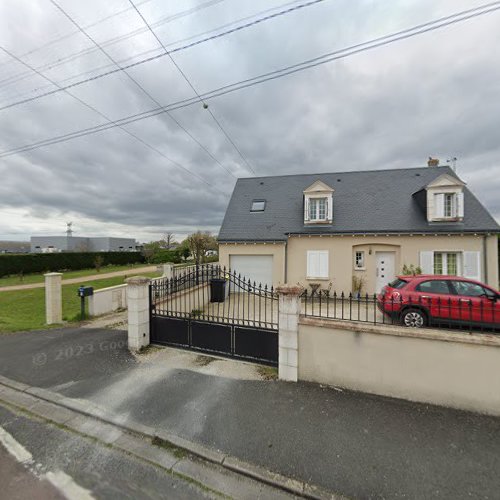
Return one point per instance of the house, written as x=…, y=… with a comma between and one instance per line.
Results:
x=326, y=229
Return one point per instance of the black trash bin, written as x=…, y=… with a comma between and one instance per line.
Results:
x=217, y=290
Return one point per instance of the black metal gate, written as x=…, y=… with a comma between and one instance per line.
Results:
x=213, y=310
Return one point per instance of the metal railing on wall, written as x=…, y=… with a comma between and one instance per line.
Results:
x=412, y=311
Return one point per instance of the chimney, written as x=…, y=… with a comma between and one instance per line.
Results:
x=432, y=162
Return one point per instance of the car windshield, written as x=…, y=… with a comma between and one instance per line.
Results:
x=398, y=283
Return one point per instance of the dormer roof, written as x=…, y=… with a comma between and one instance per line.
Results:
x=318, y=187
x=445, y=180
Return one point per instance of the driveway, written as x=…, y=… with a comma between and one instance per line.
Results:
x=359, y=445
x=84, y=279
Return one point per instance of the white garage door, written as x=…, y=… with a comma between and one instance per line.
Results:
x=258, y=268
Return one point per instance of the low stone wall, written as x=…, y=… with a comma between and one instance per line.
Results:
x=108, y=300
x=434, y=366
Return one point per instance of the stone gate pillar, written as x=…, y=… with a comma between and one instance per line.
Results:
x=53, y=298
x=289, y=310
x=138, y=312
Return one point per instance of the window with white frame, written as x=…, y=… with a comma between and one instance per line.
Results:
x=447, y=263
x=449, y=205
x=317, y=264
x=317, y=209
x=359, y=260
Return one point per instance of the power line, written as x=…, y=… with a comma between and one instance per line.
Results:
x=224, y=131
x=69, y=35
x=155, y=50
x=115, y=40
x=242, y=84
x=163, y=54
x=135, y=82
x=112, y=122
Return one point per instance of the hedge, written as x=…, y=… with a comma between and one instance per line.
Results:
x=164, y=256
x=68, y=261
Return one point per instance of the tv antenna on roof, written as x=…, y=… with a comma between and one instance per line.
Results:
x=453, y=162
x=69, y=230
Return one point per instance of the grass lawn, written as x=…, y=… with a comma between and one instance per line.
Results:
x=25, y=309
x=38, y=278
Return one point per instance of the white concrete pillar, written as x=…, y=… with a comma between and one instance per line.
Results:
x=138, y=312
x=53, y=298
x=289, y=310
x=168, y=271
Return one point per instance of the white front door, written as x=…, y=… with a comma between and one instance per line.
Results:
x=385, y=271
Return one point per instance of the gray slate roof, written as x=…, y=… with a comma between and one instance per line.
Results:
x=374, y=201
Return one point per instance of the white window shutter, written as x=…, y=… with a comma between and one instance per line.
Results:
x=460, y=204
x=306, y=208
x=472, y=265
x=312, y=258
x=323, y=265
x=427, y=262
x=329, y=202
x=439, y=205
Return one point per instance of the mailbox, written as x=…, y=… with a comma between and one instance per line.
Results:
x=85, y=291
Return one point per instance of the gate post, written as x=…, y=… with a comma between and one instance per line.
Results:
x=138, y=312
x=168, y=271
x=53, y=298
x=288, y=334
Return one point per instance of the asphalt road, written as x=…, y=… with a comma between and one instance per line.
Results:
x=359, y=445
x=18, y=483
x=105, y=473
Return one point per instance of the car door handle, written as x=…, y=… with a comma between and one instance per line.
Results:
x=464, y=300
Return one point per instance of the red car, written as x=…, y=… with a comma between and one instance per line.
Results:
x=421, y=300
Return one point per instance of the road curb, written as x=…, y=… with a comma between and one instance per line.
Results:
x=296, y=487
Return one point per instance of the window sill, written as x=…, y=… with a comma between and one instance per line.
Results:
x=322, y=221
x=360, y=268
x=317, y=279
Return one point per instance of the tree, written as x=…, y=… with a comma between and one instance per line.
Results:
x=199, y=243
x=183, y=250
x=150, y=249
x=168, y=241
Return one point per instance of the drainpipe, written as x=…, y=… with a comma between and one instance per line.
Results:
x=286, y=260
x=485, y=258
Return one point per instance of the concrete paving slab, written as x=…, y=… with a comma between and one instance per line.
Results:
x=192, y=447
x=92, y=427
x=45, y=394
x=52, y=412
x=154, y=454
x=231, y=484
x=17, y=398
x=14, y=384
x=264, y=475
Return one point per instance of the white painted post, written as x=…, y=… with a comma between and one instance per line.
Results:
x=168, y=271
x=53, y=298
x=138, y=312
x=289, y=310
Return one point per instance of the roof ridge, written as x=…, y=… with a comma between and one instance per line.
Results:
x=348, y=172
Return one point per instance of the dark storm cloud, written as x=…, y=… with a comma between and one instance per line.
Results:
x=392, y=107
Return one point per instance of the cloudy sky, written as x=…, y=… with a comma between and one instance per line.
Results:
x=435, y=94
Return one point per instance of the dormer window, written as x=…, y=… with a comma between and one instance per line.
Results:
x=449, y=205
x=318, y=209
x=318, y=204
x=445, y=199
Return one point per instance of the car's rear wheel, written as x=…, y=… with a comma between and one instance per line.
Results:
x=413, y=318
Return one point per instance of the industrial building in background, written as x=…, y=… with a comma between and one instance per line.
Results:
x=70, y=243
